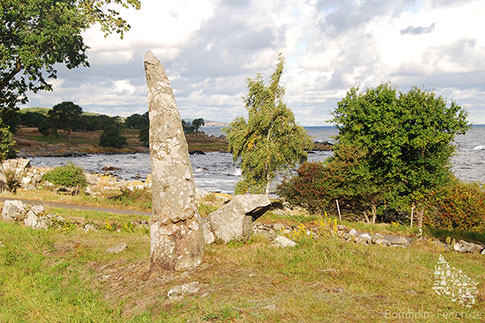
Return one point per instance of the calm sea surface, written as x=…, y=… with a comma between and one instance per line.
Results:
x=215, y=171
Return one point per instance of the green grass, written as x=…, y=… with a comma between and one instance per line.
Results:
x=37, y=286
x=64, y=139
x=134, y=200
x=66, y=276
x=40, y=110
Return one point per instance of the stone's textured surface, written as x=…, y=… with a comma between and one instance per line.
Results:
x=176, y=237
x=184, y=289
x=206, y=231
x=234, y=220
x=3, y=181
x=398, y=241
x=467, y=247
x=13, y=210
x=278, y=226
x=35, y=219
x=19, y=170
x=352, y=232
x=117, y=248
x=363, y=238
x=281, y=241
x=89, y=227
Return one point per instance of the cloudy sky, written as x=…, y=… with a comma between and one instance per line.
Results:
x=211, y=47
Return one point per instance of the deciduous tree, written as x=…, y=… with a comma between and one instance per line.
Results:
x=37, y=34
x=64, y=115
x=406, y=139
x=269, y=141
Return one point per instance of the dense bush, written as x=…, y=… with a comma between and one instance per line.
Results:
x=111, y=137
x=7, y=144
x=457, y=206
x=308, y=188
x=67, y=175
x=31, y=119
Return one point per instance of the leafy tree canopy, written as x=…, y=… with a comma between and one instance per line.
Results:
x=111, y=137
x=137, y=121
x=37, y=34
x=64, y=116
x=197, y=123
x=269, y=141
x=405, y=138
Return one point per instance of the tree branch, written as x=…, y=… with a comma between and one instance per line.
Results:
x=18, y=68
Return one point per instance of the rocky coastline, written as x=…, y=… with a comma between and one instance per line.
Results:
x=199, y=143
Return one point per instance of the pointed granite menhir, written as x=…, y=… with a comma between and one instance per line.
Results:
x=176, y=236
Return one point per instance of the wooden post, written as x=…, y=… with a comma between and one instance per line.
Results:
x=412, y=214
x=338, y=209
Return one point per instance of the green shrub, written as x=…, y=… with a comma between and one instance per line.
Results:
x=111, y=137
x=67, y=175
x=457, y=206
x=307, y=188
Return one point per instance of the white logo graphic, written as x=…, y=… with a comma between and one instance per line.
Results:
x=454, y=283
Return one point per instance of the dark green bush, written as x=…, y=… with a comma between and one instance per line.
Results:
x=111, y=137
x=67, y=175
x=457, y=206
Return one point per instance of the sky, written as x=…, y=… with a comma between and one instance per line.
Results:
x=210, y=48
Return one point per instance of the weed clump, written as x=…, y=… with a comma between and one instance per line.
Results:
x=68, y=175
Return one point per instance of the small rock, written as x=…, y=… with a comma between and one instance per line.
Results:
x=467, y=247
x=281, y=241
x=278, y=226
x=381, y=242
x=13, y=210
x=398, y=241
x=35, y=219
x=35, y=222
x=184, y=289
x=117, y=248
x=352, y=232
x=37, y=210
x=89, y=227
x=270, y=307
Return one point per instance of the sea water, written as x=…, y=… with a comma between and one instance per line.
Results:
x=216, y=172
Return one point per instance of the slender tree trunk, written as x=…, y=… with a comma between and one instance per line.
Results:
x=374, y=213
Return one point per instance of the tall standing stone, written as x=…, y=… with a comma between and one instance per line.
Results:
x=176, y=237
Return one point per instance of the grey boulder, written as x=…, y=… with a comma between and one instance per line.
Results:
x=467, y=247
x=35, y=218
x=13, y=210
x=281, y=241
x=234, y=220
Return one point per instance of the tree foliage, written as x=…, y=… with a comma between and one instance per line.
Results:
x=197, y=123
x=392, y=150
x=7, y=144
x=111, y=137
x=37, y=34
x=64, y=116
x=269, y=141
x=137, y=121
x=407, y=137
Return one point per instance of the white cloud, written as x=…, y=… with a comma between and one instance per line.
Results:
x=209, y=48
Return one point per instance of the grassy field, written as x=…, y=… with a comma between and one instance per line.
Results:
x=65, y=275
